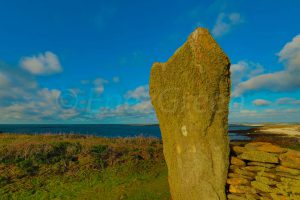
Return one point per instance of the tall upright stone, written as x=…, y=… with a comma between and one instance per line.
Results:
x=190, y=94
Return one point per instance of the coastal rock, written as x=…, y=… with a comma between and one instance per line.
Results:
x=237, y=161
x=238, y=150
x=263, y=187
x=259, y=156
x=237, y=181
x=277, y=196
x=256, y=169
x=268, y=175
x=290, y=159
x=285, y=188
x=267, y=165
x=294, y=172
x=265, y=180
x=252, y=197
x=236, y=197
x=264, y=146
x=286, y=175
x=233, y=167
x=244, y=172
x=190, y=94
x=240, y=189
x=235, y=175
x=290, y=181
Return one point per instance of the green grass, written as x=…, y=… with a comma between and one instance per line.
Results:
x=123, y=182
x=295, y=147
x=61, y=167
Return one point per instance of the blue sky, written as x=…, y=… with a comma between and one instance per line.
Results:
x=89, y=61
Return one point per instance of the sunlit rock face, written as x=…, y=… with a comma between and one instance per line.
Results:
x=190, y=94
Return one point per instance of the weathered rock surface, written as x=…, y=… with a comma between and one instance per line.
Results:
x=264, y=146
x=190, y=94
x=290, y=159
x=267, y=165
x=238, y=181
x=259, y=156
x=237, y=161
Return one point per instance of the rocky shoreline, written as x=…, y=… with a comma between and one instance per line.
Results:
x=259, y=134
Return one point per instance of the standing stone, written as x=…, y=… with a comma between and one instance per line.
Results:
x=190, y=94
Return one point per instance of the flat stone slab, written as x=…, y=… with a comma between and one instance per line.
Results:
x=259, y=156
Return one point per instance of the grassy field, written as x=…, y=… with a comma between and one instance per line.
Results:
x=77, y=167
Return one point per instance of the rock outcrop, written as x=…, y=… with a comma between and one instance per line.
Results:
x=262, y=170
x=190, y=94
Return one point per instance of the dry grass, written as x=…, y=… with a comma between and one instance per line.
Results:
x=43, y=157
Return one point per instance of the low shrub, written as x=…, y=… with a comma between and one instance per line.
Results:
x=100, y=154
x=4, y=180
x=59, y=151
x=28, y=167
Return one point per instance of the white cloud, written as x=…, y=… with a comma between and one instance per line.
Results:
x=3, y=79
x=270, y=111
x=287, y=101
x=68, y=114
x=248, y=112
x=99, y=85
x=142, y=108
x=238, y=71
x=225, y=22
x=99, y=89
x=42, y=64
x=243, y=70
x=261, y=102
x=141, y=92
x=15, y=84
x=42, y=106
x=267, y=115
x=280, y=81
x=24, y=101
x=291, y=54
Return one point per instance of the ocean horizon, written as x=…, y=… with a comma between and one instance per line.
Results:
x=103, y=130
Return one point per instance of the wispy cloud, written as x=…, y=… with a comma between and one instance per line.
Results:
x=42, y=64
x=127, y=110
x=23, y=100
x=139, y=93
x=266, y=115
x=99, y=85
x=261, y=102
x=288, y=101
x=15, y=84
x=225, y=23
x=280, y=81
x=3, y=79
x=141, y=108
x=244, y=70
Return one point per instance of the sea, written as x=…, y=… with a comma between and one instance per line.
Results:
x=103, y=130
